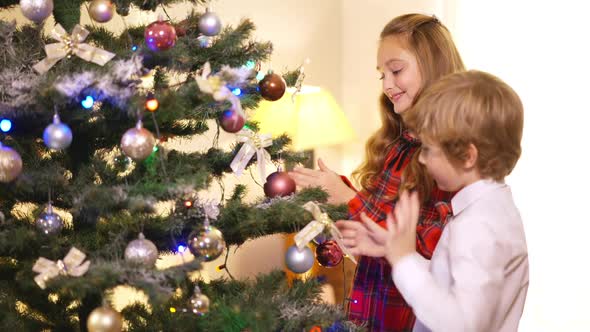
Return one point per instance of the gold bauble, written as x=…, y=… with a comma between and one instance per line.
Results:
x=101, y=10
x=104, y=319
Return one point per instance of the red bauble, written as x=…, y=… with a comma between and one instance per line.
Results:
x=231, y=121
x=329, y=254
x=279, y=184
x=160, y=36
x=272, y=87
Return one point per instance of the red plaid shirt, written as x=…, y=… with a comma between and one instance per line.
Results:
x=374, y=300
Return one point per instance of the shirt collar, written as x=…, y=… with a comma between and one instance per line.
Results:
x=472, y=193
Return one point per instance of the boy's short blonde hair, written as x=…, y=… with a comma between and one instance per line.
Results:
x=476, y=108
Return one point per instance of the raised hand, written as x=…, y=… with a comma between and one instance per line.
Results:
x=330, y=181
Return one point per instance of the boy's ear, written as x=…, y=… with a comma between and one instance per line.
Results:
x=472, y=155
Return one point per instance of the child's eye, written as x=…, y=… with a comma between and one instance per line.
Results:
x=395, y=72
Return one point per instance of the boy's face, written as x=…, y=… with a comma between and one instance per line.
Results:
x=447, y=176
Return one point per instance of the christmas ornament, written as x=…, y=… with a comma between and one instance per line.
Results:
x=72, y=265
x=199, y=302
x=36, y=10
x=104, y=319
x=141, y=252
x=101, y=11
x=138, y=143
x=57, y=135
x=231, y=121
x=279, y=184
x=11, y=164
x=71, y=45
x=299, y=260
x=253, y=144
x=49, y=222
x=160, y=35
x=205, y=41
x=206, y=243
x=317, y=226
x=272, y=87
x=329, y=254
x=209, y=23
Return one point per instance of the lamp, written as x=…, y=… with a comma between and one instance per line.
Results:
x=312, y=118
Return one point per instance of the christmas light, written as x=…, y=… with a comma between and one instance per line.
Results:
x=5, y=125
x=88, y=102
x=152, y=103
x=236, y=91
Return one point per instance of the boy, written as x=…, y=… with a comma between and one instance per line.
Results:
x=470, y=124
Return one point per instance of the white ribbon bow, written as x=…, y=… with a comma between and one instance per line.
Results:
x=253, y=143
x=68, y=45
x=315, y=227
x=71, y=266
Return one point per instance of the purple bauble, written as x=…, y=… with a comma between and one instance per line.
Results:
x=279, y=184
x=160, y=36
x=231, y=121
x=329, y=254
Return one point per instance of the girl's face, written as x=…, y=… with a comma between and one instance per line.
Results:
x=399, y=72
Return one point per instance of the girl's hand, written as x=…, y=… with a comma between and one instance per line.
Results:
x=338, y=191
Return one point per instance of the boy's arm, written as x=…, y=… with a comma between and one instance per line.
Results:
x=476, y=262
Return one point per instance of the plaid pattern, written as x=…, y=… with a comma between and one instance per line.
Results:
x=374, y=300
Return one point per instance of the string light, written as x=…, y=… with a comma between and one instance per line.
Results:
x=88, y=102
x=5, y=125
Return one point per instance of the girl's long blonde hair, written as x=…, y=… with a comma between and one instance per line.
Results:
x=437, y=56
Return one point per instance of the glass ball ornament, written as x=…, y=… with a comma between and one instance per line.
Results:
x=48, y=222
x=138, y=143
x=206, y=243
x=104, y=319
x=199, y=302
x=36, y=10
x=160, y=36
x=57, y=136
x=209, y=24
x=141, y=252
x=299, y=261
x=101, y=11
x=329, y=254
x=279, y=184
x=272, y=87
x=11, y=164
x=205, y=41
x=231, y=121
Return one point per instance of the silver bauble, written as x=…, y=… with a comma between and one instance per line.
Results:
x=49, y=223
x=209, y=24
x=199, y=303
x=299, y=261
x=36, y=10
x=57, y=135
x=101, y=11
x=11, y=164
x=142, y=252
x=138, y=143
x=104, y=319
x=206, y=243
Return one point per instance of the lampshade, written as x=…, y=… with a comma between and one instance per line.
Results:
x=312, y=118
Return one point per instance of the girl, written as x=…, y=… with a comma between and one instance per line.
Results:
x=414, y=51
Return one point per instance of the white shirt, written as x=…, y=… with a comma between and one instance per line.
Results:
x=478, y=277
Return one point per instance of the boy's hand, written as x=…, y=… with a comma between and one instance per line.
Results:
x=357, y=238
x=399, y=239
x=338, y=191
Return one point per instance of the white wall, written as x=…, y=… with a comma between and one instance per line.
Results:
x=541, y=49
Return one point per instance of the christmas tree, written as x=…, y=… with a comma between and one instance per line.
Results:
x=91, y=193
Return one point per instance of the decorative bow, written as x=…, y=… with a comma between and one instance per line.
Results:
x=253, y=143
x=71, y=45
x=215, y=86
x=71, y=266
x=316, y=226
